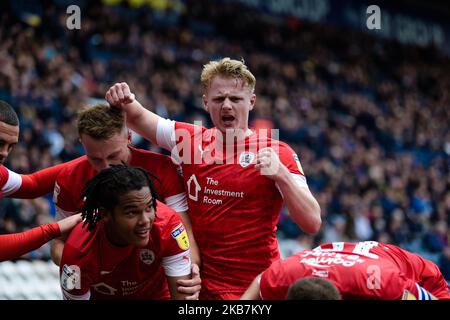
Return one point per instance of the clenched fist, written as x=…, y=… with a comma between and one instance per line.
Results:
x=119, y=95
x=268, y=163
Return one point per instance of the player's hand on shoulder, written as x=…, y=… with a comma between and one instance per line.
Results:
x=67, y=224
x=119, y=95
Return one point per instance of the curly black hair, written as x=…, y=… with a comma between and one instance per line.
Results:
x=104, y=190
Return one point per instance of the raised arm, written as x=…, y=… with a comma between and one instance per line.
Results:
x=139, y=119
x=303, y=207
x=40, y=183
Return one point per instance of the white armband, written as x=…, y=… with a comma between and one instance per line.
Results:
x=299, y=179
x=177, y=202
x=13, y=184
x=177, y=265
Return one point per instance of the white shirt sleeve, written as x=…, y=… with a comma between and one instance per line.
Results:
x=299, y=179
x=13, y=184
x=177, y=202
x=177, y=265
x=165, y=134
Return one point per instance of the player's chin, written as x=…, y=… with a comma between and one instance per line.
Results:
x=140, y=243
x=141, y=239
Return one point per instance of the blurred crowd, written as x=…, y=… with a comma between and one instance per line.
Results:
x=368, y=117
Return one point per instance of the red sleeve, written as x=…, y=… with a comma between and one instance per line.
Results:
x=40, y=183
x=171, y=180
x=273, y=283
x=174, y=239
x=15, y=245
x=63, y=198
x=290, y=159
x=3, y=176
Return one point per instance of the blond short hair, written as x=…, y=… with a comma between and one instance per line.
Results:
x=227, y=68
x=100, y=121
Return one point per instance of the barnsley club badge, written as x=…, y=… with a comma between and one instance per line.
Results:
x=147, y=256
x=246, y=158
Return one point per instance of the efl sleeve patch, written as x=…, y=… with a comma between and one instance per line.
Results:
x=180, y=234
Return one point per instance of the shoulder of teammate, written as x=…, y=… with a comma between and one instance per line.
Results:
x=275, y=280
x=169, y=182
x=170, y=177
x=82, y=242
x=69, y=185
x=153, y=160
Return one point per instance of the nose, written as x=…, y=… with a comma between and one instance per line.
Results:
x=227, y=104
x=144, y=220
x=103, y=164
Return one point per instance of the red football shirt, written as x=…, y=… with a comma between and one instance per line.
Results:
x=364, y=270
x=234, y=209
x=93, y=268
x=71, y=180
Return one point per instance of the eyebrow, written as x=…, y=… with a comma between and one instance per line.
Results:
x=133, y=206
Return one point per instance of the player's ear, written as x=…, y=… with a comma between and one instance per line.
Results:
x=252, y=101
x=205, y=103
x=105, y=214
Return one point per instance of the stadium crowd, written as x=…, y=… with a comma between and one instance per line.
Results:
x=368, y=117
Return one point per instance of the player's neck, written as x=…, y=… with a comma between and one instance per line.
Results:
x=112, y=237
x=129, y=155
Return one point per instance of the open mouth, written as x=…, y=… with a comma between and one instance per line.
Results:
x=228, y=120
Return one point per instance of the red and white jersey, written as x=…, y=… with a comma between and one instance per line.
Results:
x=234, y=209
x=72, y=179
x=364, y=270
x=93, y=268
x=9, y=181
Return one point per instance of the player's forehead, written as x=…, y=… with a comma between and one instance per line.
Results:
x=9, y=133
x=136, y=198
x=221, y=85
x=102, y=148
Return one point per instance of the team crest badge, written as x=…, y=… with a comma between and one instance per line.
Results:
x=147, y=256
x=180, y=234
x=246, y=158
x=297, y=161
